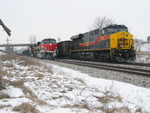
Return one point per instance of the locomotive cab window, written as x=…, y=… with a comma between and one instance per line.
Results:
x=53, y=41
x=123, y=29
x=111, y=31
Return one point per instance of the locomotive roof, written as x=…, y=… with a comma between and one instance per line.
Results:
x=110, y=26
x=115, y=26
x=48, y=39
x=77, y=36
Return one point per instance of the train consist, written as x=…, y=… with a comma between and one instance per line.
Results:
x=112, y=44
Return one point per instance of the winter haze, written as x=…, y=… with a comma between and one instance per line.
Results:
x=64, y=18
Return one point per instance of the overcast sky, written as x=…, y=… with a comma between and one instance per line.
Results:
x=64, y=18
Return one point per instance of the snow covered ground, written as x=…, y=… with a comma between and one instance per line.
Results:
x=144, y=47
x=53, y=89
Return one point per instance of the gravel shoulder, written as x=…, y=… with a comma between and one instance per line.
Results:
x=137, y=80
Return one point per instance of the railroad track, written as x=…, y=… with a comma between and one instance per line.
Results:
x=128, y=63
x=109, y=66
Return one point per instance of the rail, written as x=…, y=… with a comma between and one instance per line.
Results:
x=141, y=72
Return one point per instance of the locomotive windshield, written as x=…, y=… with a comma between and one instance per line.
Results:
x=114, y=29
x=47, y=41
x=123, y=29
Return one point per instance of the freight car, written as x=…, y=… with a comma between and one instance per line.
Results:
x=112, y=44
x=63, y=49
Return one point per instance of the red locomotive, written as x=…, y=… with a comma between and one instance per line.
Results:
x=45, y=49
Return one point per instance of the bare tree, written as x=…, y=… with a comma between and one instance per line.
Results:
x=101, y=22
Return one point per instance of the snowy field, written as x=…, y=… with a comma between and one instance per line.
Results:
x=47, y=88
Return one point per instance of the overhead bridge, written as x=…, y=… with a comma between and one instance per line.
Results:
x=14, y=45
x=9, y=48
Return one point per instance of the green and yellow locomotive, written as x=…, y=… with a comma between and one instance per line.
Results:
x=112, y=43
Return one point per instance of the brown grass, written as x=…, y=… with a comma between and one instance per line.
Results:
x=40, y=102
x=4, y=106
x=115, y=110
x=28, y=61
x=49, y=69
x=25, y=60
x=108, y=97
x=6, y=57
x=1, y=79
x=138, y=110
x=26, y=90
x=4, y=95
x=18, y=83
x=26, y=108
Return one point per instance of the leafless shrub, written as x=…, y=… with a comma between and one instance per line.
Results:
x=4, y=95
x=26, y=108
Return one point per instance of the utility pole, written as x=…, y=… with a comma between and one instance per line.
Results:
x=7, y=41
x=8, y=48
